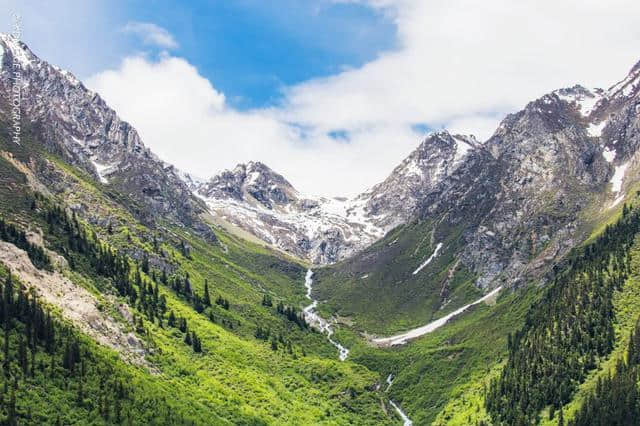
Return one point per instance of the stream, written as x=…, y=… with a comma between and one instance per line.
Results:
x=405, y=419
x=314, y=319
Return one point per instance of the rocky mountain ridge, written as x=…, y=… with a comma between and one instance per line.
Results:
x=520, y=195
x=547, y=180
x=558, y=146
x=75, y=123
x=325, y=230
x=569, y=155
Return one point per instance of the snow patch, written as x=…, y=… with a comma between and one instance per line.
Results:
x=586, y=102
x=609, y=155
x=462, y=148
x=618, y=176
x=426, y=262
x=103, y=170
x=403, y=338
x=253, y=178
x=595, y=130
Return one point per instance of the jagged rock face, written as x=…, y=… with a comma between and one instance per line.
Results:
x=394, y=201
x=322, y=230
x=253, y=183
x=76, y=123
x=523, y=196
x=259, y=201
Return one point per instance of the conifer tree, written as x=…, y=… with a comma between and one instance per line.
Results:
x=206, y=298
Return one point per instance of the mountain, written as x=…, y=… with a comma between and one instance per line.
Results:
x=491, y=282
x=254, y=198
x=77, y=125
x=545, y=213
x=123, y=303
x=511, y=209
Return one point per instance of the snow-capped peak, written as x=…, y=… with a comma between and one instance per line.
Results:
x=19, y=50
x=585, y=100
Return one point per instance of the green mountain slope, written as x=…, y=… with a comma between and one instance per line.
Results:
x=205, y=357
x=378, y=290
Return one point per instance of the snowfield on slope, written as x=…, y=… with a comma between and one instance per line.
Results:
x=403, y=338
x=428, y=261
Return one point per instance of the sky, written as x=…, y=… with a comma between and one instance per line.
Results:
x=332, y=94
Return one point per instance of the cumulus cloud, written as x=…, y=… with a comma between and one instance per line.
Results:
x=151, y=34
x=460, y=64
x=187, y=122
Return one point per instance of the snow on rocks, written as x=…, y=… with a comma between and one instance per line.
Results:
x=584, y=99
x=325, y=230
x=616, y=183
x=462, y=148
x=626, y=87
x=618, y=176
x=20, y=54
x=428, y=261
x=103, y=170
x=609, y=155
x=595, y=130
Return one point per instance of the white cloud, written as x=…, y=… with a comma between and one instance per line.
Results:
x=461, y=64
x=186, y=121
x=151, y=34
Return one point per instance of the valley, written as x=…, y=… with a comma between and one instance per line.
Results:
x=482, y=282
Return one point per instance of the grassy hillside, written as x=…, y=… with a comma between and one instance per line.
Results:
x=378, y=291
x=287, y=374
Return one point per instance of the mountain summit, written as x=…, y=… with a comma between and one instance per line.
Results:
x=325, y=230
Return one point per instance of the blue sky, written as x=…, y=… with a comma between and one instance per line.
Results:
x=249, y=49
x=333, y=94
